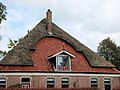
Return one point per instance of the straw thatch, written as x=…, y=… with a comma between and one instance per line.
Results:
x=20, y=54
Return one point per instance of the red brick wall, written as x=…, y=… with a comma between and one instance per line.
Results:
x=49, y=46
x=12, y=80
x=101, y=82
x=83, y=81
x=116, y=82
x=38, y=82
x=58, y=81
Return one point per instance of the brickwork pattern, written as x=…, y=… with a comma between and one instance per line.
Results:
x=83, y=81
x=49, y=46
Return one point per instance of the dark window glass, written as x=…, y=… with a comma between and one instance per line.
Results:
x=63, y=62
x=50, y=82
x=25, y=82
x=65, y=82
x=94, y=82
x=107, y=83
x=2, y=82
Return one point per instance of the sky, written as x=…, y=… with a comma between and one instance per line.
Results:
x=89, y=21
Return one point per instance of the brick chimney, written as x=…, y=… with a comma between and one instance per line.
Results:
x=49, y=21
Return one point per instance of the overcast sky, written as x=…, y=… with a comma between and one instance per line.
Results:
x=89, y=21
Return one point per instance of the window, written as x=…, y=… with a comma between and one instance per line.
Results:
x=107, y=84
x=94, y=82
x=2, y=83
x=25, y=82
x=63, y=62
x=50, y=82
x=65, y=82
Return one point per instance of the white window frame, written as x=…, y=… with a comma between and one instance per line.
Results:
x=105, y=79
x=50, y=78
x=94, y=83
x=25, y=77
x=68, y=81
x=63, y=51
x=57, y=64
x=5, y=80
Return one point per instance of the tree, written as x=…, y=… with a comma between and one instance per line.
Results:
x=116, y=56
x=106, y=49
x=2, y=17
x=13, y=43
x=110, y=51
x=2, y=53
x=2, y=12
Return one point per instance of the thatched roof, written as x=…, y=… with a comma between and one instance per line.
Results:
x=20, y=54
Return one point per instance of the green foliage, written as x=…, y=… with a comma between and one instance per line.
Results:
x=110, y=51
x=75, y=84
x=2, y=17
x=2, y=12
x=2, y=53
x=106, y=49
x=15, y=86
x=13, y=43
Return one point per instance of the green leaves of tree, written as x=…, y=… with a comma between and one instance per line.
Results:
x=2, y=54
x=2, y=12
x=110, y=51
x=13, y=43
x=2, y=17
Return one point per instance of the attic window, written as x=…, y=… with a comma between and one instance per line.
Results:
x=61, y=61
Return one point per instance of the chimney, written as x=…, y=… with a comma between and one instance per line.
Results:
x=49, y=21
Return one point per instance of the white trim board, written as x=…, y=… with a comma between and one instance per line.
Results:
x=58, y=74
x=63, y=51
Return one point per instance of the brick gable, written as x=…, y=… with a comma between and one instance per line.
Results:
x=48, y=46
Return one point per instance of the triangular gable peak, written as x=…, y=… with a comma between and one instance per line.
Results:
x=64, y=52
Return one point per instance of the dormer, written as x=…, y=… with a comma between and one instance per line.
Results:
x=61, y=61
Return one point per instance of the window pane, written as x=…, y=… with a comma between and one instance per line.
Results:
x=2, y=79
x=65, y=82
x=50, y=79
x=60, y=61
x=50, y=82
x=66, y=61
x=107, y=87
x=94, y=82
x=2, y=82
x=63, y=62
x=107, y=81
x=25, y=79
x=65, y=79
x=25, y=82
x=107, y=84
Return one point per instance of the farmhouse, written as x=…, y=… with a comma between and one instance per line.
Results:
x=48, y=57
